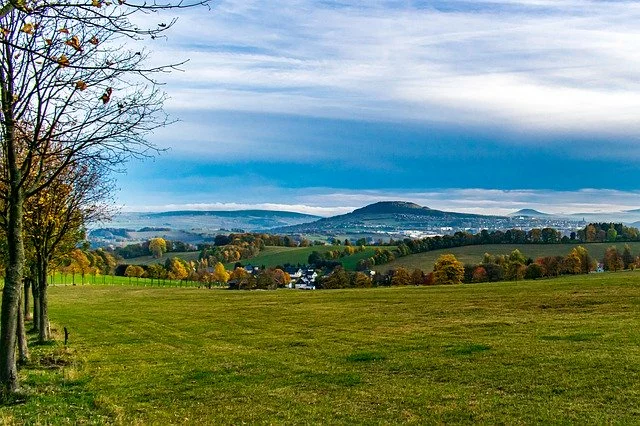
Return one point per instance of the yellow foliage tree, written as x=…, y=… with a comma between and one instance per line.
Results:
x=401, y=277
x=157, y=247
x=177, y=271
x=220, y=274
x=448, y=270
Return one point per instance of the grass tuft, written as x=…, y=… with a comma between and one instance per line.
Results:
x=467, y=349
x=365, y=357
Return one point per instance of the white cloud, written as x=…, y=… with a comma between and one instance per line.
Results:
x=536, y=65
x=298, y=208
x=329, y=201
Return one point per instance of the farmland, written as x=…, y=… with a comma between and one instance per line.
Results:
x=550, y=351
x=473, y=254
x=274, y=256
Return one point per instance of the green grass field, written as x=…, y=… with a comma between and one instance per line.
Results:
x=473, y=254
x=552, y=351
x=274, y=256
x=70, y=280
x=150, y=260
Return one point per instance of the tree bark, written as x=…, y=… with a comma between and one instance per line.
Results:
x=23, y=349
x=27, y=310
x=43, y=328
x=11, y=293
x=35, y=291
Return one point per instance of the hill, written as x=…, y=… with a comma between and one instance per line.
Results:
x=473, y=254
x=562, y=351
x=191, y=226
x=274, y=256
x=529, y=213
x=389, y=217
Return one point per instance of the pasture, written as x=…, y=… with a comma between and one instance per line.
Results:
x=473, y=254
x=278, y=256
x=552, y=351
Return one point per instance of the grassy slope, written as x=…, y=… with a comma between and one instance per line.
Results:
x=554, y=351
x=273, y=256
x=149, y=260
x=473, y=254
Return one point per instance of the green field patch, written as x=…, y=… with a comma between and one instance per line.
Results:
x=577, y=337
x=489, y=325
x=572, y=304
x=278, y=256
x=484, y=353
x=473, y=254
x=365, y=357
x=321, y=380
x=466, y=349
x=150, y=260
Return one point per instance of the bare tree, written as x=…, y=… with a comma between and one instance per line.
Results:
x=56, y=222
x=73, y=91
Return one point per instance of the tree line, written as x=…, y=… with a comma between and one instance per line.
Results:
x=493, y=268
x=594, y=232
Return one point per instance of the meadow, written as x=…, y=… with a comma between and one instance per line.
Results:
x=150, y=260
x=270, y=257
x=552, y=351
x=474, y=254
x=274, y=256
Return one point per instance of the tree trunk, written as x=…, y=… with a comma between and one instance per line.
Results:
x=23, y=350
x=35, y=291
x=43, y=328
x=27, y=311
x=12, y=290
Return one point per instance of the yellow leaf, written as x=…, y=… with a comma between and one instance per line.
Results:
x=63, y=31
x=48, y=41
x=94, y=41
x=81, y=85
x=75, y=43
x=63, y=61
x=96, y=3
x=5, y=32
x=106, y=96
x=27, y=28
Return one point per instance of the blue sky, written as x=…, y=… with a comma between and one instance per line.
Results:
x=465, y=105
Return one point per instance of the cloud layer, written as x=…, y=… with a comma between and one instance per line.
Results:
x=330, y=201
x=560, y=66
x=392, y=98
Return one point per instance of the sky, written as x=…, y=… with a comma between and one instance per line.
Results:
x=325, y=106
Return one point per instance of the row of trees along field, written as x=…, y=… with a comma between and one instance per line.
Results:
x=492, y=268
x=592, y=233
x=77, y=101
x=216, y=276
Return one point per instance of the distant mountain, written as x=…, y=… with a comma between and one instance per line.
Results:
x=390, y=217
x=388, y=208
x=393, y=207
x=529, y=213
x=193, y=225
